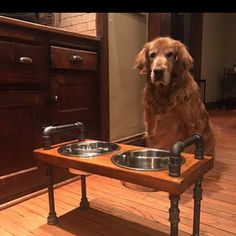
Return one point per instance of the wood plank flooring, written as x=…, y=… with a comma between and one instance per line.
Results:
x=118, y=211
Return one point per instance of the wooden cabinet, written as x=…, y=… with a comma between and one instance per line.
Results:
x=74, y=98
x=67, y=58
x=22, y=65
x=21, y=119
x=74, y=89
x=47, y=78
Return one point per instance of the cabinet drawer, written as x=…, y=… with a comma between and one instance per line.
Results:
x=22, y=65
x=66, y=58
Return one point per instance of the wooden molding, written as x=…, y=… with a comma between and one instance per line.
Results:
x=137, y=139
x=211, y=105
x=102, y=32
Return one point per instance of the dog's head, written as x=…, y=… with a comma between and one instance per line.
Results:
x=162, y=59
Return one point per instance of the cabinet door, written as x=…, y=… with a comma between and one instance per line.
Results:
x=75, y=98
x=22, y=118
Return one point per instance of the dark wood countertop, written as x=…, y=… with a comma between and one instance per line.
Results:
x=34, y=26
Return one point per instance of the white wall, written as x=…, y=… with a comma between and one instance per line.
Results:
x=127, y=35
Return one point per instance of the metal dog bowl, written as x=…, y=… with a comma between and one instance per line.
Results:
x=87, y=149
x=143, y=159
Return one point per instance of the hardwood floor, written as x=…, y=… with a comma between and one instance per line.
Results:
x=118, y=211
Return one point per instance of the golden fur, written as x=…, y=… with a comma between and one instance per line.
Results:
x=173, y=109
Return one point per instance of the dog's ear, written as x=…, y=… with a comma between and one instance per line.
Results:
x=183, y=59
x=141, y=61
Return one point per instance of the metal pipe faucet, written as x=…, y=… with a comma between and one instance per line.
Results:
x=49, y=130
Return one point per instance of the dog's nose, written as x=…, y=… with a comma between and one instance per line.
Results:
x=158, y=74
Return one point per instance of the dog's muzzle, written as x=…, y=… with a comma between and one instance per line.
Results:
x=159, y=74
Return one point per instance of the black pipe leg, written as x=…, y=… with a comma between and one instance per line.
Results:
x=52, y=216
x=174, y=214
x=84, y=203
x=197, y=195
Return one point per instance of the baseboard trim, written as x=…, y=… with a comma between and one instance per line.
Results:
x=212, y=105
x=137, y=139
x=36, y=193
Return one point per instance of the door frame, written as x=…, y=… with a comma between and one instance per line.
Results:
x=104, y=111
x=160, y=24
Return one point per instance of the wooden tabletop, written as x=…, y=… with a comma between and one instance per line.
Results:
x=191, y=170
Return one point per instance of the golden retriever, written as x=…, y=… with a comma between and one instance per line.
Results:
x=173, y=108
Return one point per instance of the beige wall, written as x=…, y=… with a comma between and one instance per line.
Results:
x=127, y=35
x=218, y=50
x=230, y=57
x=213, y=53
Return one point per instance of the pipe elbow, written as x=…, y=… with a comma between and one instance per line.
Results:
x=177, y=148
x=199, y=152
x=48, y=130
x=199, y=139
x=81, y=127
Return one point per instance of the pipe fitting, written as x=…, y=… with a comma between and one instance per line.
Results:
x=81, y=127
x=177, y=148
x=49, y=130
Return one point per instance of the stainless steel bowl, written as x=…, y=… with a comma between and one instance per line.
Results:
x=87, y=149
x=143, y=159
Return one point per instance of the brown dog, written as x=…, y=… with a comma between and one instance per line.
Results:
x=173, y=109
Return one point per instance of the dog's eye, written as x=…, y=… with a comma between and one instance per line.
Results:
x=169, y=54
x=152, y=55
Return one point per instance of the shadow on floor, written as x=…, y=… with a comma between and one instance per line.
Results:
x=92, y=222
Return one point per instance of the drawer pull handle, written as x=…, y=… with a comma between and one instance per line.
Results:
x=54, y=98
x=76, y=58
x=26, y=60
